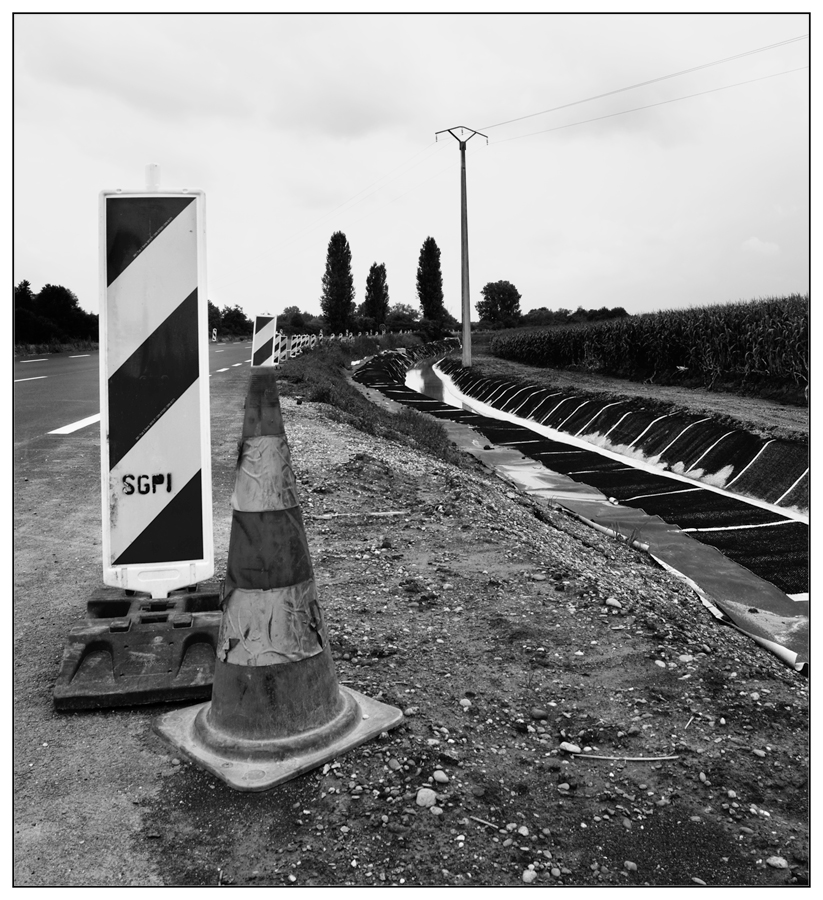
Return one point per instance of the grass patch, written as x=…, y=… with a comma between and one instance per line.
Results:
x=321, y=376
x=36, y=349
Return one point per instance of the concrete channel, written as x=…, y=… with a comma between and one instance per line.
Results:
x=723, y=509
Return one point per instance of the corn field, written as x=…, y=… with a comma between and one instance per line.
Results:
x=753, y=343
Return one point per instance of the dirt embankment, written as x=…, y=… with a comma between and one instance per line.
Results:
x=573, y=715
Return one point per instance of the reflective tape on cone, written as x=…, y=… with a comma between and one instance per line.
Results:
x=277, y=709
x=268, y=480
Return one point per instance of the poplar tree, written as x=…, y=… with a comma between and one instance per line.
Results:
x=337, y=299
x=376, y=304
x=430, y=281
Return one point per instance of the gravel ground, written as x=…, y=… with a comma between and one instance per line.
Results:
x=573, y=715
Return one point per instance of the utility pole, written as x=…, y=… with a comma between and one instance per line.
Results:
x=464, y=237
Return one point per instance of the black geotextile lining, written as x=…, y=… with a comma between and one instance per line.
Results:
x=569, y=461
x=392, y=365
x=560, y=412
x=622, y=423
x=527, y=405
x=774, y=471
x=735, y=450
x=703, y=509
x=580, y=416
x=799, y=497
x=691, y=445
x=684, y=440
x=637, y=482
x=779, y=554
x=663, y=432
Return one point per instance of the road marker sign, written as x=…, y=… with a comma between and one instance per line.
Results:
x=262, y=346
x=154, y=395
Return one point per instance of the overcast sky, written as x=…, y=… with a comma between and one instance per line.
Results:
x=297, y=126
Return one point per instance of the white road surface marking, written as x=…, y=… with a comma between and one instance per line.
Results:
x=76, y=426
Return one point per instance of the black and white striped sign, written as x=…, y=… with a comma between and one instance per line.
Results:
x=154, y=400
x=262, y=345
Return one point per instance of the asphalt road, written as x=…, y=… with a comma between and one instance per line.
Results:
x=62, y=390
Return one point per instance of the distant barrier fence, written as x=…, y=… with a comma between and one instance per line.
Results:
x=289, y=346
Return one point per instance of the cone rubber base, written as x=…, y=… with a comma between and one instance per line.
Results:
x=184, y=730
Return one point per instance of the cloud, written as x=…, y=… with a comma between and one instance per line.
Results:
x=761, y=248
x=125, y=58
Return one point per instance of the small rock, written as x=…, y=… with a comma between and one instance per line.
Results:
x=777, y=862
x=630, y=866
x=537, y=712
x=466, y=703
x=699, y=881
x=426, y=797
x=613, y=601
x=522, y=830
x=176, y=761
x=659, y=662
x=395, y=764
x=760, y=753
x=569, y=747
x=529, y=876
x=440, y=777
x=436, y=811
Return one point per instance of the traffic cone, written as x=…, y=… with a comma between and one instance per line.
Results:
x=276, y=710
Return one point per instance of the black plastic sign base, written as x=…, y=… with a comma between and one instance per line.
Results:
x=132, y=650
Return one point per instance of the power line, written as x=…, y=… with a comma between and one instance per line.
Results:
x=650, y=105
x=631, y=87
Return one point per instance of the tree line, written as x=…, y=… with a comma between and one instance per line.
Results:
x=337, y=299
x=500, y=308
x=51, y=316
x=54, y=316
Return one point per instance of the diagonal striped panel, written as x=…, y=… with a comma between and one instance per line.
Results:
x=131, y=227
x=130, y=512
x=156, y=469
x=176, y=533
x=263, y=341
x=150, y=288
x=146, y=385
